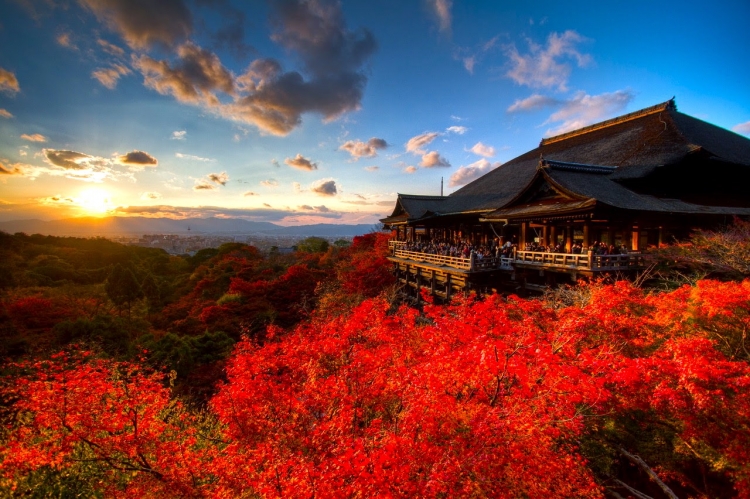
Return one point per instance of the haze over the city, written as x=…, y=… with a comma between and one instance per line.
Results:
x=302, y=112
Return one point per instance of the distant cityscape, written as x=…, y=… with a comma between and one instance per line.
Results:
x=179, y=245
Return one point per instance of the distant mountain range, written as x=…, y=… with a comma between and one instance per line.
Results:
x=132, y=226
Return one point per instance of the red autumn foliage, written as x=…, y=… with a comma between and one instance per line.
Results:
x=36, y=312
x=493, y=398
x=364, y=269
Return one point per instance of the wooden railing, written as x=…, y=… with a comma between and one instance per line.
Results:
x=441, y=260
x=583, y=261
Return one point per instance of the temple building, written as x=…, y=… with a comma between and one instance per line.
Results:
x=637, y=181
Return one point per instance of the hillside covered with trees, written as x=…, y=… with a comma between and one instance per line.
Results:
x=132, y=373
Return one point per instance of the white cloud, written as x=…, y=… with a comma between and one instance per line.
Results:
x=191, y=157
x=532, y=103
x=359, y=149
x=416, y=144
x=442, y=10
x=4, y=113
x=468, y=173
x=432, y=159
x=179, y=134
x=111, y=75
x=743, y=128
x=483, y=150
x=547, y=67
x=584, y=109
x=460, y=130
x=269, y=183
x=410, y=169
x=469, y=63
x=372, y=168
x=35, y=137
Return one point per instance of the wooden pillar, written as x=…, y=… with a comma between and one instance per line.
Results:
x=661, y=237
x=568, y=238
x=447, y=286
x=586, y=235
x=553, y=235
x=636, y=238
x=432, y=282
x=522, y=242
x=545, y=233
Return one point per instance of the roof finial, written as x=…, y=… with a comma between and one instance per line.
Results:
x=541, y=162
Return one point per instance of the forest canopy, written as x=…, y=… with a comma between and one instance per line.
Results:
x=244, y=375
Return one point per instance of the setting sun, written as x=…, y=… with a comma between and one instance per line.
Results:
x=94, y=201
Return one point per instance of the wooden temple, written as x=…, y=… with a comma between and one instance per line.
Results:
x=634, y=182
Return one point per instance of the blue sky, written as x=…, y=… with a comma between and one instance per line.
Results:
x=318, y=111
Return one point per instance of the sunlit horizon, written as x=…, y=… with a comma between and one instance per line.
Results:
x=140, y=110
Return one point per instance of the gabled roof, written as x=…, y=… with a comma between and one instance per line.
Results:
x=586, y=186
x=632, y=146
x=410, y=207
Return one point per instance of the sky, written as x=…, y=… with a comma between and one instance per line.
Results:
x=318, y=111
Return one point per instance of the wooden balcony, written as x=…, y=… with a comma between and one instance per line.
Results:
x=586, y=262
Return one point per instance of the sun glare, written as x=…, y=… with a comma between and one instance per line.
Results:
x=94, y=201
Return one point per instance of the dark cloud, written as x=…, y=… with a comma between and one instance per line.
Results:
x=143, y=23
x=195, y=78
x=317, y=209
x=231, y=32
x=110, y=48
x=202, y=185
x=332, y=57
x=138, y=159
x=8, y=82
x=250, y=193
x=10, y=169
x=325, y=188
x=359, y=149
x=70, y=160
x=257, y=214
x=219, y=178
x=301, y=162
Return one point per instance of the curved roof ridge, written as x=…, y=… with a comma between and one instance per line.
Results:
x=577, y=167
x=664, y=106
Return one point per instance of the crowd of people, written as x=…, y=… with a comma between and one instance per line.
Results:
x=463, y=248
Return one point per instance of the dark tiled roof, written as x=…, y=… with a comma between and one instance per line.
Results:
x=635, y=144
x=412, y=207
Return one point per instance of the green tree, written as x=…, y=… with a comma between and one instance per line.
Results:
x=122, y=287
x=313, y=245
